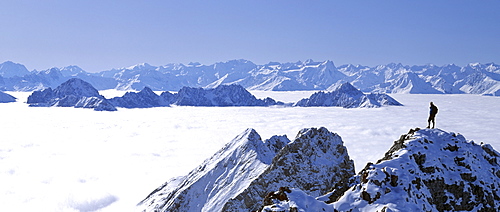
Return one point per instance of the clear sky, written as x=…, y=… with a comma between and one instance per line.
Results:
x=98, y=35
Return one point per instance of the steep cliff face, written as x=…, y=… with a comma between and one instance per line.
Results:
x=315, y=162
x=428, y=170
x=218, y=178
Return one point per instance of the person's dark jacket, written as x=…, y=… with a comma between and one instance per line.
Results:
x=434, y=110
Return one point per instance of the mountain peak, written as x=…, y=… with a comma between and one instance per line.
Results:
x=141, y=66
x=218, y=178
x=76, y=87
x=11, y=69
x=428, y=170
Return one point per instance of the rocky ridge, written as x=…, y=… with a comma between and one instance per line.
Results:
x=347, y=96
x=72, y=93
x=428, y=170
x=240, y=175
x=315, y=162
x=218, y=178
x=222, y=95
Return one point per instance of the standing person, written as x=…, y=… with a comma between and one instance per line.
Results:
x=432, y=116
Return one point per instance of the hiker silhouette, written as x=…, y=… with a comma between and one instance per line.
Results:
x=432, y=116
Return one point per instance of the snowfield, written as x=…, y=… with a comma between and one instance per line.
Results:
x=73, y=159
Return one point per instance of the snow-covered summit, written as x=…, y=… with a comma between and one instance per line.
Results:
x=428, y=170
x=11, y=69
x=347, y=96
x=72, y=93
x=219, y=178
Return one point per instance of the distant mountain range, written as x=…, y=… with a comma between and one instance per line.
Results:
x=77, y=93
x=473, y=78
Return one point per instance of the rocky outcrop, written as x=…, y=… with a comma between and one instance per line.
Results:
x=315, y=162
x=146, y=98
x=72, y=93
x=4, y=98
x=347, y=96
x=428, y=170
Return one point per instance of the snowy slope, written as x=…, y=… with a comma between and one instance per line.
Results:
x=219, y=178
x=10, y=69
x=4, y=98
x=72, y=93
x=347, y=96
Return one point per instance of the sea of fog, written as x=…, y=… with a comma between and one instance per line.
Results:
x=73, y=159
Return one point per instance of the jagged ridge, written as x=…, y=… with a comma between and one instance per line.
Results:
x=347, y=96
x=218, y=178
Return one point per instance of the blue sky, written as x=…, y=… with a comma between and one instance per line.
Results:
x=99, y=35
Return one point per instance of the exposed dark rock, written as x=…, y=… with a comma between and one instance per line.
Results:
x=72, y=93
x=314, y=162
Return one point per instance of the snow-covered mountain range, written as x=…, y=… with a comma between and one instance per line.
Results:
x=473, y=78
x=425, y=170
